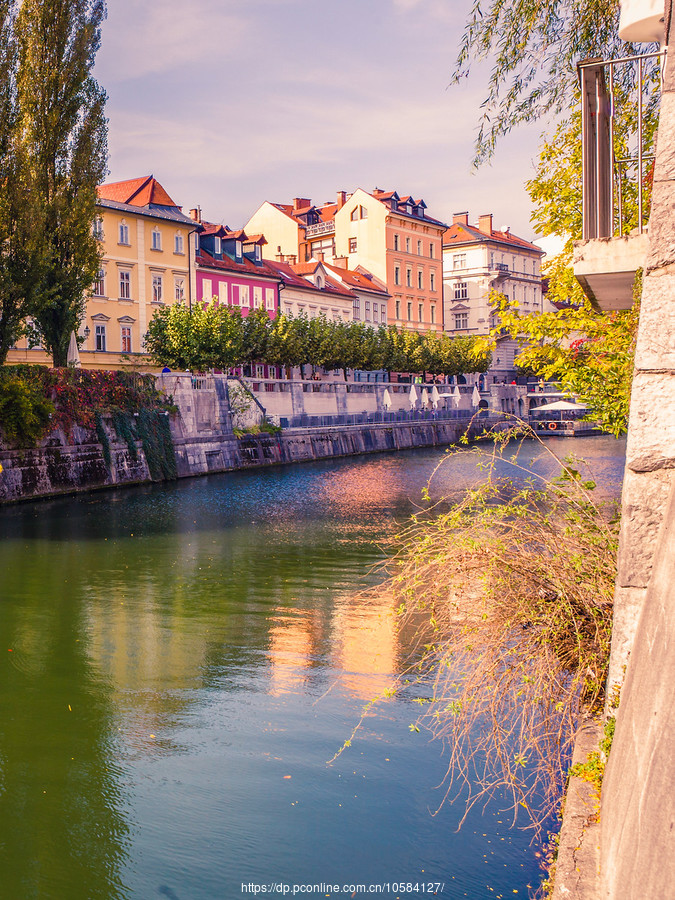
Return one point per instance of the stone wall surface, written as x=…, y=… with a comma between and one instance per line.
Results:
x=638, y=797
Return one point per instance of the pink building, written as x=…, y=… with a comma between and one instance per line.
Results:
x=230, y=268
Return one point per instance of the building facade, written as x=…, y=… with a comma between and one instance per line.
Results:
x=147, y=246
x=382, y=233
x=478, y=259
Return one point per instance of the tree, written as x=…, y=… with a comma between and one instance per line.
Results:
x=62, y=135
x=533, y=47
x=21, y=250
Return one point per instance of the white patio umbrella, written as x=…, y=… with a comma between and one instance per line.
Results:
x=386, y=399
x=73, y=358
x=425, y=397
x=435, y=397
x=475, y=396
x=456, y=395
x=412, y=396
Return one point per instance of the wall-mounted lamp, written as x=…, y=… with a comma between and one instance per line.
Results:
x=86, y=332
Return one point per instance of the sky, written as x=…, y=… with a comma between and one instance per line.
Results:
x=229, y=105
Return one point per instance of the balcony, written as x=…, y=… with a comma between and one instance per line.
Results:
x=617, y=165
x=320, y=229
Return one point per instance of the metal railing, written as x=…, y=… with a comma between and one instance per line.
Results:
x=605, y=173
x=375, y=418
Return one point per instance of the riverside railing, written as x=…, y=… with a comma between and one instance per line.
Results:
x=374, y=418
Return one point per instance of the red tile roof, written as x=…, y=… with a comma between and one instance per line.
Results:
x=245, y=267
x=363, y=279
x=293, y=275
x=136, y=192
x=465, y=234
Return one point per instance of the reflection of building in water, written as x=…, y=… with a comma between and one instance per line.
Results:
x=366, y=647
x=292, y=649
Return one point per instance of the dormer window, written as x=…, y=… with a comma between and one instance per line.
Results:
x=156, y=239
x=219, y=245
x=319, y=282
x=238, y=249
x=258, y=254
x=123, y=237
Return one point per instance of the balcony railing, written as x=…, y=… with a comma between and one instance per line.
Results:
x=320, y=228
x=616, y=164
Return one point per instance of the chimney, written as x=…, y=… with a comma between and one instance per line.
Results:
x=279, y=255
x=506, y=229
x=319, y=255
x=196, y=214
x=341, y=262
x=301, y=203
x=341, y=199
x=460, y=218
x=485, y=223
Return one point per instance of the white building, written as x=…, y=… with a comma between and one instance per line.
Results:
x=476, y=260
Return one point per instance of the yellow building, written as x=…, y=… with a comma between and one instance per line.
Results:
x=147, y=262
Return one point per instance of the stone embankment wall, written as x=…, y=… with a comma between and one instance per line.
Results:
x=203, y=442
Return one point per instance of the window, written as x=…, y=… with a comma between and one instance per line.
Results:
x=420, y=280
x=126, y=339
x=432, y=281
x=408, y=277
x=207, y=290
x=461, y=321
x=419, y=248
x=459, y=261
x=99, y=284
x=461, y=290
x=259, y=371
x=222, y=292
x=156, y=288
x=258, y=253
x=354, y=214
x=363, y=212
x=397, y=274
x=244, y=299
x=383, y=312
x=352, y=245
x=125, y=285
x=97, y=228
x=123, y=233
x=196, y=243
x=257, y=297
x=156, y=239
x=420, y=312
x=218, y=245
x=375, y=313
x=178, y=243
x=431, y=251
x=179, y=289
x=100, y=337
x=396, y=242
x=289, y=310
x=432, y=310
x=367, y=310
x=409, y=311
x=269, y=298
x=407, y=245
x=398, y=309
x=356, y=309
x=238, y=249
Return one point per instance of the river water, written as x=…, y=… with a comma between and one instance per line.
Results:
x=177, y=665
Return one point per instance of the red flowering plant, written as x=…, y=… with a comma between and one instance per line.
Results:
x=78, y=395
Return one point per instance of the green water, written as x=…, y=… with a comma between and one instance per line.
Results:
x=170, y=655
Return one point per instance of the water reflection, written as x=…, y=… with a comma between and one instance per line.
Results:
x=177, y=652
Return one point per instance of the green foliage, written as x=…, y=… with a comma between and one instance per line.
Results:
x=532, y=47
x=589, y=353
x=155, y=435
x=61, y=141
x=213, y=336
x=593, y=770
x=24, y=411
x=123, y=426
x=103, y=440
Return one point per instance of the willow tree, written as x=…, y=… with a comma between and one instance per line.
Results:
x=532, y=47
x=62, y=132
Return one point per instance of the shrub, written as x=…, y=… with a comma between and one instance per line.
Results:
x=24, y=411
